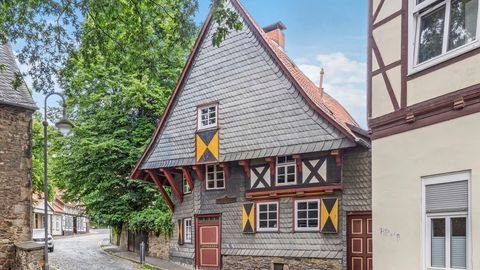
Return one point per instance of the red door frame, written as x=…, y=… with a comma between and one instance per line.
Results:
x=197, y=240
x=363, y=215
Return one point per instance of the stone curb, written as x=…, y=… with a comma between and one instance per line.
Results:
x=129, y=259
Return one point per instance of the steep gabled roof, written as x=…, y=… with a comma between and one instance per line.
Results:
x=9, y=95
x=327, y=107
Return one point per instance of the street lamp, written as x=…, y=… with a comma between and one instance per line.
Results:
x=64, y=126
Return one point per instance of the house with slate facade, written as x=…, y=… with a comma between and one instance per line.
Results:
x=261, y=167
x=16, y=109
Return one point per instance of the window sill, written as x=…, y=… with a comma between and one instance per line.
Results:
x=441, y=59
x=297, y=230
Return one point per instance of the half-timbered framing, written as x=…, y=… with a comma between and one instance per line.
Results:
x=423, y=106
x=251, y=134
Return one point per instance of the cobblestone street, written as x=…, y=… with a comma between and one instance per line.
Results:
x=84, y=253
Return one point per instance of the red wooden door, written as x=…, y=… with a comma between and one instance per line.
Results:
x=208, y=247
x=359, y=245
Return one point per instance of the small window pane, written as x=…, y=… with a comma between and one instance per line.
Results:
x=291, y=178
x=302, y=205
x=272, y=215
x=211, y=184
x=281, y=170
x=263, y=207
x=220, y=184
x=313, y=214
x=431, y=34
x=281, y=179
x=263, y=215
x=438, y=242
x=458, y=243
x=273, y=207
x=302, y=214
x=312, y=205
x=463, y=23
x=263, y=224
x=289, y=158
x=291, y=169
x=272, y=224
x=302, y=223
x=312, y=223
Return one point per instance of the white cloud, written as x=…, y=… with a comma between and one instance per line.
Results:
x=345, y=80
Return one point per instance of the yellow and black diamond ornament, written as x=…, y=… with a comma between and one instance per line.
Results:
x=207, y=145
x=329, y=215
x=248, y=218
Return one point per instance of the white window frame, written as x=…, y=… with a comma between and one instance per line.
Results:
x=426, y=219
x=199, y=117
x=185, y=188
x=187, y=237
x=215, y=180
x=286, y=165
x=307, y=229
x=413, y=36
x=268, y=229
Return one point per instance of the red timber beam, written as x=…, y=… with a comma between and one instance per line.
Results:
x=199, y=171
x=271, y=161
x=338, y=157
x=246, y=167
x=173, y=184
x=226, y=170
x=187, y=176
x=298, y=162
x=160, y=188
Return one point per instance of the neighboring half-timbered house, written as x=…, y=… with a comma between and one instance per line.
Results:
x=424, y=114
x=266, y=170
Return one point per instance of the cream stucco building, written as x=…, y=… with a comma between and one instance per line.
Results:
x=424, y=119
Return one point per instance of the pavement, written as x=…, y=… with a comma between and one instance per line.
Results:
x=93, y=251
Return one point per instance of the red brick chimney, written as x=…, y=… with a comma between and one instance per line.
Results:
x=275, y=33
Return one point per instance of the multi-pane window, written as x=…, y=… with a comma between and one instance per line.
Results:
x=286, y=170
x=267, y=216
x=443, y=26
x=446, y=222
x=186, y=187
x=187, y=227
x=207, y=117
x=307, y=215
x=215, y=177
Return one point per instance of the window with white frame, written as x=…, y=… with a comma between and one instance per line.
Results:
x=267, y=216
x=286, y=170
x=186, y=187
x=307, y=215
x=207, y=116
x=447, y=232
x=187, y=227
x=442, y=29
x=215, y=177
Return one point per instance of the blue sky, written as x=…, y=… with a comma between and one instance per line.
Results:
x=320, y=33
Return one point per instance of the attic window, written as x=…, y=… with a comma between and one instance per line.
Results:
x=207, y=116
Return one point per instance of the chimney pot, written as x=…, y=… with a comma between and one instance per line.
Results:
x=322, y=73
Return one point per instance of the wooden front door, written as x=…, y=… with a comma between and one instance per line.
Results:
x=359, y=238
x=208, y=243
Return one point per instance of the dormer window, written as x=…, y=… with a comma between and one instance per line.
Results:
x=207, y=116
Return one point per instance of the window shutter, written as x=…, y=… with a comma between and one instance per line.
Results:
x=329, y=215
x=248, y=218
x=180, y=232
x=452, y=197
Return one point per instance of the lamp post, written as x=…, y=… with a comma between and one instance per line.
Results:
x=64, y=126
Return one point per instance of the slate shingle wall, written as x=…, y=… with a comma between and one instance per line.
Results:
x=260, y=112
x=286, y=243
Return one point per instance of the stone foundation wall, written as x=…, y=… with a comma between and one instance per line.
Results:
x=29, y=256
x=158, y=245
x=267, y=263
x=15, y=181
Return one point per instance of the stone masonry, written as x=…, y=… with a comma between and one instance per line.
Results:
x=15, y=181
x=29, y=256
x=268, y=263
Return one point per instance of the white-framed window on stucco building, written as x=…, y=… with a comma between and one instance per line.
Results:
x=446, y=208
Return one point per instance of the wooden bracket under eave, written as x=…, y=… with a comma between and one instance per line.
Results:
x=226, y=170
x=271, y=162
x=199, y=171
x=459, y=103
x=173, y=184
x=162, y=190
x=298, y=161
x=338, y=157
x=187, y=176
x=246, y=167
